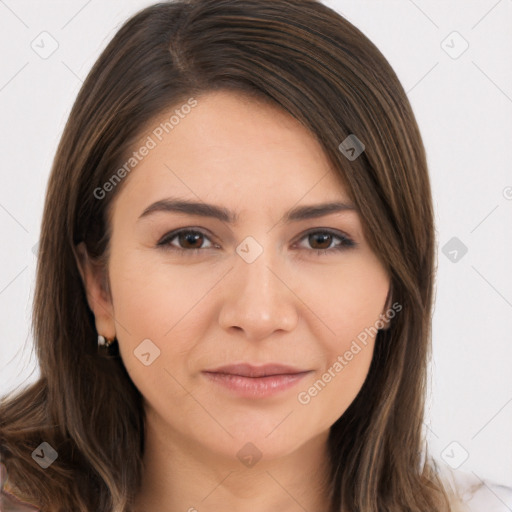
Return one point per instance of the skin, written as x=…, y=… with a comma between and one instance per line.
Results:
x=212, y=307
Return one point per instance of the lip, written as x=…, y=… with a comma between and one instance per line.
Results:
x=250, y=370
x=249, y=381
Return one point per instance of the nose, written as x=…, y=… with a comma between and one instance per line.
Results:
x=259, y=297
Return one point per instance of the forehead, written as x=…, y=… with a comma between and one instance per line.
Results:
x=234, y=149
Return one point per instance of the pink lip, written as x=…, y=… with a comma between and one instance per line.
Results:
x=250, y=370
x=256, y=381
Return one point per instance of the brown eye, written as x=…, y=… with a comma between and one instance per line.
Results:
x=187, y=240
x=320, y=240
x=190, y=239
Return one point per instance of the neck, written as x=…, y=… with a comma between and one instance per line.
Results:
x=182, y=476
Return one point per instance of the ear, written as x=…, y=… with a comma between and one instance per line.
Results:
x=95, y=282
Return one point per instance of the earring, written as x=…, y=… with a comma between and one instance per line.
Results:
x=104, y=342
x=106, y=346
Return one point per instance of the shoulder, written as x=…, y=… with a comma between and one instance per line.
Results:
x=476, y=494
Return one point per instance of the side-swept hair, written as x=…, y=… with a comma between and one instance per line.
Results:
x=310, y=61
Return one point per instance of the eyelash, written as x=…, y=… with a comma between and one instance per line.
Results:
x=346, y=243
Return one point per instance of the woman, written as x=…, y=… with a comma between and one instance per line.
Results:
x=253, y=368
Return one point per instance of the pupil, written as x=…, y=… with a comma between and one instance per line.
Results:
x=326, y=237
x=191, y=237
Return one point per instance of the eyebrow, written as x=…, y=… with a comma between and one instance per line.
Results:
x=218, y=212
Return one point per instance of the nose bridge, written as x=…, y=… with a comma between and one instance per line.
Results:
x=258, y=301
x=253, y=268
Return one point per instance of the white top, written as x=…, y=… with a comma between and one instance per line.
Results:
x=478, y=494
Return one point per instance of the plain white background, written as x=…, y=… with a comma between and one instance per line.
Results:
x=462, y=98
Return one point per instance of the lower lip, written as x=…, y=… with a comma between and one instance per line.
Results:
x=256, y=387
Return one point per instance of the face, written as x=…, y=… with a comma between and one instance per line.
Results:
x=190, y=292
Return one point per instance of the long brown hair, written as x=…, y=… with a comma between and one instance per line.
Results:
x=314, y=64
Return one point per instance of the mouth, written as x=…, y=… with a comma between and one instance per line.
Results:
x=249, y=381
x=253, y=371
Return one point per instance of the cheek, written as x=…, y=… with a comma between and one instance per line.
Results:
x=328, y=395
x=164, y=304
x=151, y=316
x=350, y=305
x=347, y=359
x=150, y=297
x=347, y=298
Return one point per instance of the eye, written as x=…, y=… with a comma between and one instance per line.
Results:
x=191, y=240
x=325, y=238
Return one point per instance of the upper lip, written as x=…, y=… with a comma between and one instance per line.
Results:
x=249, y=370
